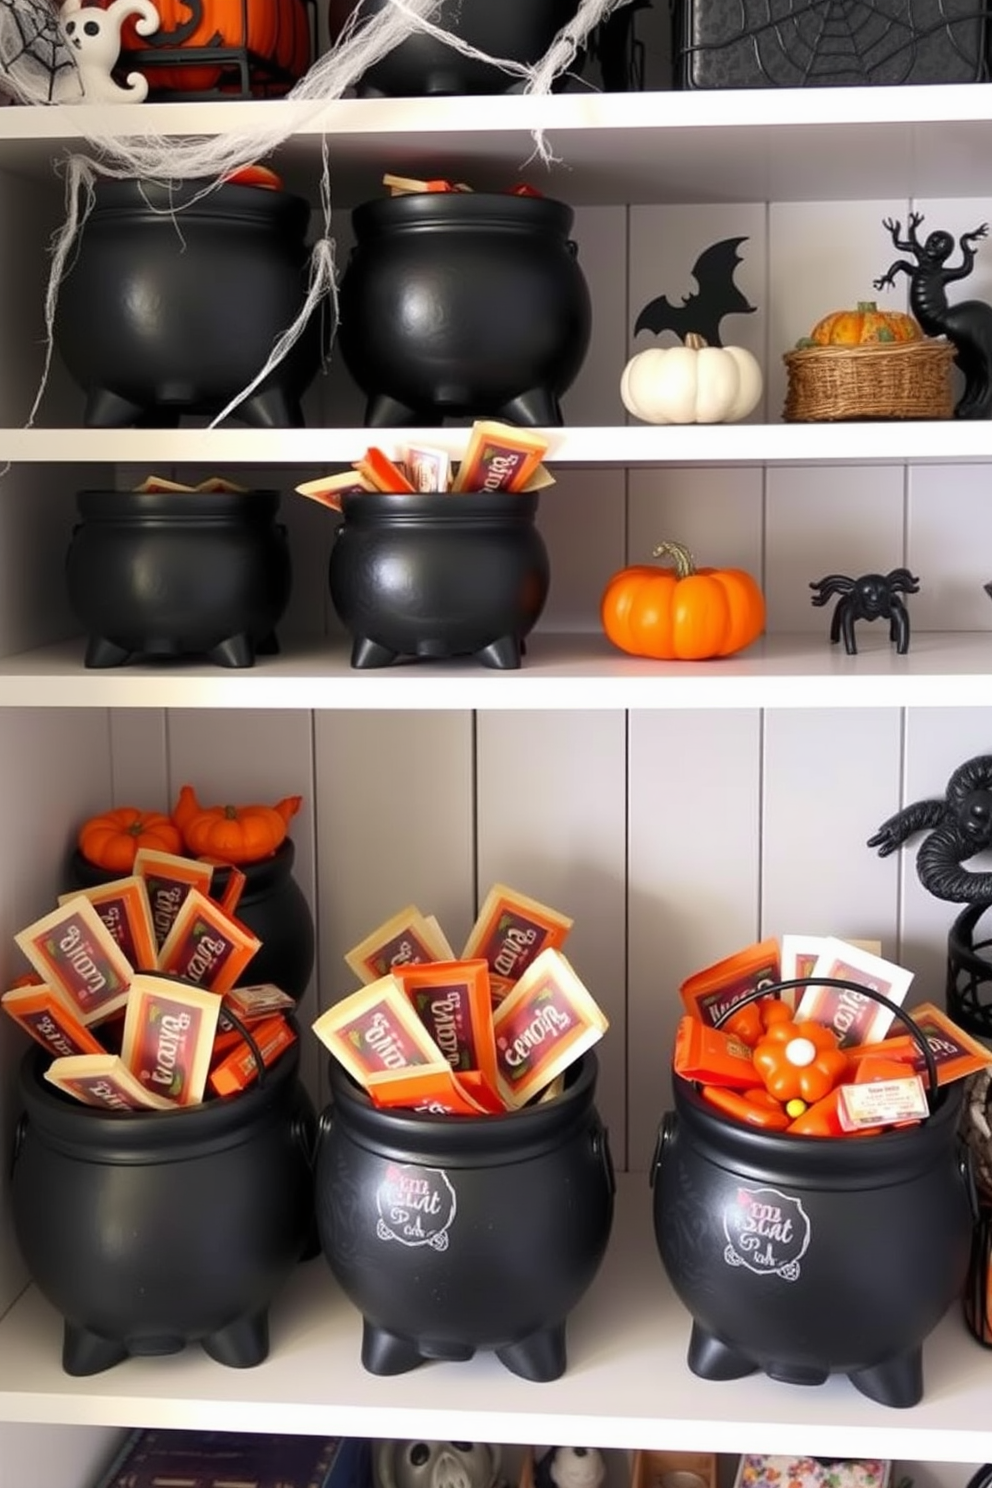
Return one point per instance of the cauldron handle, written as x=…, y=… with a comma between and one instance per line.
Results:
x=982, y=1478
x=20, y=1132
x=601, y=1149
x=771, y=989
x=666, y=1133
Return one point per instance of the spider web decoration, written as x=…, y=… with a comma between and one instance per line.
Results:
x=810, y=43
x=35, y=63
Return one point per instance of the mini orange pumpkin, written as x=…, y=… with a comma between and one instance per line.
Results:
x=233, y=834
x=682, y=613
x=275, y=32
x=865, y=326
x=112, y=839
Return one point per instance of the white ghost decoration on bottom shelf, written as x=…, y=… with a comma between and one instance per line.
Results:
x=93, y=36
x=570, y=1467
x=435, y=1464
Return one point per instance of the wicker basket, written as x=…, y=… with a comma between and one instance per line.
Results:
x=911, y=380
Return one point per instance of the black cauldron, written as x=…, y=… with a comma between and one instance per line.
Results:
x=174, y=573
x=424, y=1219
x=165, y=313
x=152, y=1230
x=463, y=304
x=515, y=30
x=272, y=905
x=969, y=972
x=435, y=575
x=807, y=1256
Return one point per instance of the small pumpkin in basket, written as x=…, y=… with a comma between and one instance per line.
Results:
x=864, y=326
x=683, y=613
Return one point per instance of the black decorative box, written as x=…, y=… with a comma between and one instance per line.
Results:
x=828, y=43
x=236, y=1459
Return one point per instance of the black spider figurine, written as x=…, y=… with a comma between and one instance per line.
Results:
x=874, y=596
x=961, y=826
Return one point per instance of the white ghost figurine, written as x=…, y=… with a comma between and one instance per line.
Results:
x=94, y=39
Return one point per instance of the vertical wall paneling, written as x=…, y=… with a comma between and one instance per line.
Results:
x=822, y=257
x=241, y=756
x=581, y=519
x=139, y=758
x=949, y=547
x=395, y=814
x=694, y=880
x=60, y=1456
x=664, y=245
x=938, y=740
x=827, y=780
x=826, y=520
x=600, y=234
x=551, y=808
x=716, y=513
x=55, y=771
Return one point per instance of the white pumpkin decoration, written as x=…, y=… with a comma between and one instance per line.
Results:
x=691, y=384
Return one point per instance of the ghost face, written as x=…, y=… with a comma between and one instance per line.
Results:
x=577, y=1467
x=425, y=1464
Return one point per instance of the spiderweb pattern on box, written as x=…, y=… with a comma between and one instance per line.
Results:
x=802, y=43
x=35, y=62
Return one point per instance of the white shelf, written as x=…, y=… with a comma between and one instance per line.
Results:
x=578, y=671
x=895, y=442
x=627, y=1384
x=753, y=144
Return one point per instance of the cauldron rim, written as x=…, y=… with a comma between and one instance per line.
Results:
x=260, y=874
x=104, y=504
x=509, y=1136
x=197, y=200
x=815, y=1162
x=94, y=1134
x=462, y=209
x=465, y=509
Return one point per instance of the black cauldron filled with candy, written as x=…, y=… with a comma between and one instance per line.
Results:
x=515, y=30
x=152, y=1230
x=464, y=304
x=167, y=574
x=435, y=575
x=809, y=1256
x=423, y=1220
x=172, y=305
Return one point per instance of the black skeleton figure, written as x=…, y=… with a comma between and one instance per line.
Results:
x=873, y=596
x=960, y=826
x=968, y=325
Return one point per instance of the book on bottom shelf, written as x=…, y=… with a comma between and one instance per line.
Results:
x=151, y=1458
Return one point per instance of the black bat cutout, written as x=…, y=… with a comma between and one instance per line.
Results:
x=718, y=296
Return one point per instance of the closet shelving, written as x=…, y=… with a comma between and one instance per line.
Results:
x=627, y=1385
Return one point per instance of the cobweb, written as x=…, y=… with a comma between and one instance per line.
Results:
x=796, y=43
x=35, y=63
x=33, y=57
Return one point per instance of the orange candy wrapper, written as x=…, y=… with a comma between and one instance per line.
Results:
x=168, y=1037
x=207, y=946
x=453, y=1001
x=376, y=1030
x=103, y=1080
x=124, y=907
x=273, y=1036
x=50, y=1021
x=510, y=933
x=712, y=1056
x=428, y=1090
x=499, y=458
x=406, y=938
x=168, y=879
x=710, y=994
x=73, y=951
x=542, y=1026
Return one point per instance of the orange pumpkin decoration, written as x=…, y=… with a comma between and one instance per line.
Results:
x=682, y=613
x=865, y=326
x=276, y=34
x=233, y=834
x=112, y=839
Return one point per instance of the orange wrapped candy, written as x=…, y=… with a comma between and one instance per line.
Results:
x=799, y=1061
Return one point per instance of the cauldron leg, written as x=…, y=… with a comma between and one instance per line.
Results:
x=103, y=653
x=84, y=1352
x=235, y=651
x=271, y=408
x=897, y=1382
x=536, y=408
x=503, y=653
x=541, y=1357
x=366, y=653
x=711, y=1359
x=387, y=1353
x=382, y=412
x=106, y=410
x=241, y=1345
